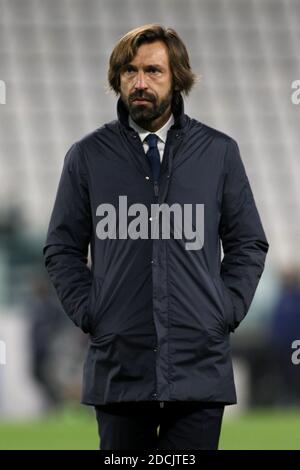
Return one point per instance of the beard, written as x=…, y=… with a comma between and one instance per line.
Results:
x=142, y=113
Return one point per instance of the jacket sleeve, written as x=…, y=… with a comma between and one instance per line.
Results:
x=66, y=247
x=243, y=239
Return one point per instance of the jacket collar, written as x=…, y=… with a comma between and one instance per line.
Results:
x=180, y=119
x=161, y=133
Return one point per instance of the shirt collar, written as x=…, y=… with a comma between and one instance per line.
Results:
x=161, y=133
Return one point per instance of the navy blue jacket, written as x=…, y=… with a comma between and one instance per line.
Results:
x=159, y=316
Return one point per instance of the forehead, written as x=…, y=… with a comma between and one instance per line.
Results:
x=152, y=53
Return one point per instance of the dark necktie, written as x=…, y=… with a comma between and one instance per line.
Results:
x=153, y=155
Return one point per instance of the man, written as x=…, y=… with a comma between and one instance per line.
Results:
x=159, y=310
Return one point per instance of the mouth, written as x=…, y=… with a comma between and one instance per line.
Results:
x=141, y=101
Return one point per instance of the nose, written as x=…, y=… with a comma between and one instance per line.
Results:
x=140, y=83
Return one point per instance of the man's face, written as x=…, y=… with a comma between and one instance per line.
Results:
x=146, y=86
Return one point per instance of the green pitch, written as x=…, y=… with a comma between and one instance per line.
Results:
x=76, y=428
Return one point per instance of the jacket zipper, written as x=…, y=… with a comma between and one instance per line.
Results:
x=156, y=189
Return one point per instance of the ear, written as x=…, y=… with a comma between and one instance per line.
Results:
x=175, y=87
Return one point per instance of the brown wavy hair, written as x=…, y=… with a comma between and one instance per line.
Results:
x=126, y=48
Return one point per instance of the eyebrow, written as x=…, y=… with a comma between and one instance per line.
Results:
x=157, y=66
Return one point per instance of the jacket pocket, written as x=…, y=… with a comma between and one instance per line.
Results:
x=227, y=303
x=93, y=302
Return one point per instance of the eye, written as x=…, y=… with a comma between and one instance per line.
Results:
x=153, y=70
x=128, y=69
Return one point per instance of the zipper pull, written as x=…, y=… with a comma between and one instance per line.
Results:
x=161, y=404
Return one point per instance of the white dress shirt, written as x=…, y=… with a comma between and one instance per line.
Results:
x=161, y=133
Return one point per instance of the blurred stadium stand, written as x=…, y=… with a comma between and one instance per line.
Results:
x=53, y=60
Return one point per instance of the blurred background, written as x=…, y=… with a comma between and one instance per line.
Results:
x=53, y=89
